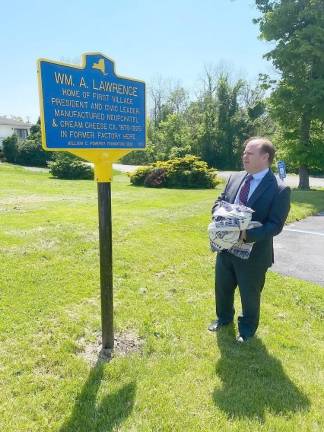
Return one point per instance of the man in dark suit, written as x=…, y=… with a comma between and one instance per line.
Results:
x=258, y=188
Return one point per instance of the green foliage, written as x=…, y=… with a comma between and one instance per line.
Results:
x=136, y=157
x=68, y=166
x=228, y=117
x=139, y=157
x=256, y=111
x=186, y=172
x=145, y=156
x=137, y=178
x=31, y=153
x=172, y=132
x=212, y=126
x=179, y=152
x=36, y=129
x=296, y=27
x=289, y=150
x=28, y=152
x=189, y=172
x=9, y=148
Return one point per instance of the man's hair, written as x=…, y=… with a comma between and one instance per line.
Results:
x=265, y=147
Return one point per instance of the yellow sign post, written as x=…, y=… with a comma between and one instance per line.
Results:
x=91, y=112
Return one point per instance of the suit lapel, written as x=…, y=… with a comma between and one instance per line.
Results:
x=261, y=188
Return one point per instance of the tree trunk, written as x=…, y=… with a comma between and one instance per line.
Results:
x=303, y=178
x=304, y=143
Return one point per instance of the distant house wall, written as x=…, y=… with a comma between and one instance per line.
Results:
x=6, y=131
x=9, y=127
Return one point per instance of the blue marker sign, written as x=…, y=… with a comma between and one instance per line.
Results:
x=282, y=169
x=89, y=106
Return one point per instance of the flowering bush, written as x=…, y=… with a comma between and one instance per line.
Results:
x=185, y=172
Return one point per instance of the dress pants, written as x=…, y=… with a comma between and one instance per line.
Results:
x=249, y=276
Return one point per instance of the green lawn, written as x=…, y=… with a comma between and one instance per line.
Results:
x=183, y=378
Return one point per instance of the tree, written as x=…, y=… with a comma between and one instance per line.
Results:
x=166, y=98
x=297, y=102
x=177, y=100
x=157, y=92
x=228, y=119
x=201, y=117
x=229, y=113
x=172, y=135
x=212, y=126
x=167, y=128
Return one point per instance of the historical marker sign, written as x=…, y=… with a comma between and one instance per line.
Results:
x=89, y=106
x=90, y=111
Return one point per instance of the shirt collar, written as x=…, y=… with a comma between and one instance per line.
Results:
x=259, y=175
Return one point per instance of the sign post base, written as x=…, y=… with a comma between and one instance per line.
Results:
x=106, y=269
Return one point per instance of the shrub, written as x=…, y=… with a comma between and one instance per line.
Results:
x=30, y=153
x=10, y=149
x=155, y=178
x=67, y=166
x=186, y=172
x=137, y=177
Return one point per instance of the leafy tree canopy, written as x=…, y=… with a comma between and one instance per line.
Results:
x=297, y=28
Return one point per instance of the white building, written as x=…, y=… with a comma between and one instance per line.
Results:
x=9, y=126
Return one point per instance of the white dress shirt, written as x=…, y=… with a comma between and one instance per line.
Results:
x=257, y=177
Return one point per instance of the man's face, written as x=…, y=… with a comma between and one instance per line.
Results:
x=253, y=159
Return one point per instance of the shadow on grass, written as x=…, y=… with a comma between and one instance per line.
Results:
x=253, y=381
x=107, y=414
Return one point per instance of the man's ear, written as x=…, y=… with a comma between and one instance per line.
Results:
x=266, y=157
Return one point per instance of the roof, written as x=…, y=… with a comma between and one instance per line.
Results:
x=14, y=122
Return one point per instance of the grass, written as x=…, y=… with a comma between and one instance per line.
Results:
x=184, y=379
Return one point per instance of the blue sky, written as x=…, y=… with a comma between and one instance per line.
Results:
x=172, y=39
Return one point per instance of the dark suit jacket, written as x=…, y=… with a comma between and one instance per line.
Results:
x=271, y=203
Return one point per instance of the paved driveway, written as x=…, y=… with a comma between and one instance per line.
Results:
x=291, y=180
x=125, y=168
x=299, y=250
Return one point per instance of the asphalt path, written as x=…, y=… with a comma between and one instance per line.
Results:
x=299, y=250
x=291, y=180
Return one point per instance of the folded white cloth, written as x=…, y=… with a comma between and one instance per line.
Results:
x=224, y=230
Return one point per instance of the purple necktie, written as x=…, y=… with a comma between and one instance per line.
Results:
x=244, y=192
